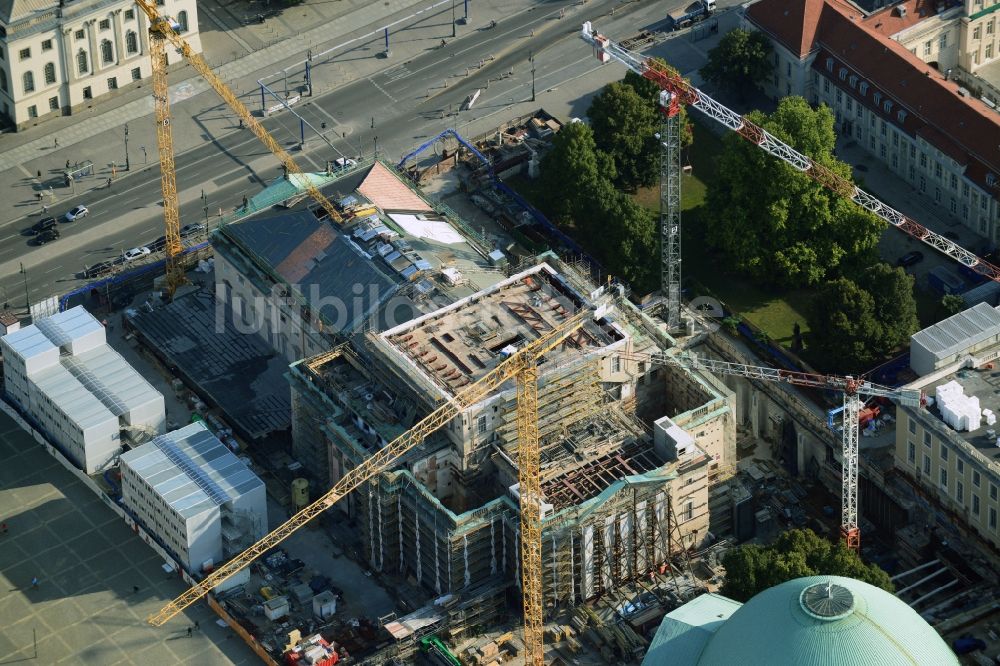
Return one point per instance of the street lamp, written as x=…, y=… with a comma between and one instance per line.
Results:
x=128, y=164
x=27, y=301
x=531, y=59
x=453, y=28
x=143, y=149
x=376, y=147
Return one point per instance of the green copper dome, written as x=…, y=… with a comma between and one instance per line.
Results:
x=814, y=621
x=823, y=620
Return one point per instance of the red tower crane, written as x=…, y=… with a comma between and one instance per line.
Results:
x=682, y=92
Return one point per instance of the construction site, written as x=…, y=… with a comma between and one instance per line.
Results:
x=501, y=457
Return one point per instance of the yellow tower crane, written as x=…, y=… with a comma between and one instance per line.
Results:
x=163, y=29
x=520, y=366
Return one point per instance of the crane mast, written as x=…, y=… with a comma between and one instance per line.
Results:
x=530, y=492
x=165, y=144
x=670, y=207
x=685, y=93
x=852, y=390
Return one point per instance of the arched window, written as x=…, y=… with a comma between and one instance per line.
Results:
x=182, y=19
x=81, y=61
x=50, y=73
x=131, y=42
x=107, y=53
x=3, y=81
x=29, y=82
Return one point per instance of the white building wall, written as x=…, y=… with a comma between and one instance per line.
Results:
x=204, y=540
x=93, y=49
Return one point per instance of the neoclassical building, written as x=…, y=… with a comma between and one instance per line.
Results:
x=57, y=56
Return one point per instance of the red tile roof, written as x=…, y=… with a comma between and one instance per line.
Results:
x=384, y=189
x=962, y=127
x=888, y=22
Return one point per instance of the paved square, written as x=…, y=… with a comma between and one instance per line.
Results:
x=84, y=610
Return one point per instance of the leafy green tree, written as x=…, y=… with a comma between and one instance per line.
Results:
x=571, y=172
x=855, y=324
x=740, y=62
x=952, y=304
x=775, y=223
x=751, y=569
x=625, y=127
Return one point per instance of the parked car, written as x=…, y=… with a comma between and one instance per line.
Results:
x=910, y=258
x=344, y=162
x=192, y=230
x=42, y=225
x=135, y=253
x=77, y=213
x=157, y=245
x=98, y=269
x=46, y=236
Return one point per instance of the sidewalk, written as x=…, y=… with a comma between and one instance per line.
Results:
x=98, y=134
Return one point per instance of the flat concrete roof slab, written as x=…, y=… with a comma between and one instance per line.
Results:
x=84, y=610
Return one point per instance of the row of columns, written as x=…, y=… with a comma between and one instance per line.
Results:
x=94, y=64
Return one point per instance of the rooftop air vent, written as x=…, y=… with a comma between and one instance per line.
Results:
x=827, y=601
x=901, y=11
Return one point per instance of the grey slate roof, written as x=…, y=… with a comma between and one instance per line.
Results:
x=959, y=331
x=191, y=470
x=320, y=263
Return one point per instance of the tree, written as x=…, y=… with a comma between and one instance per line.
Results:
x=571, y=172
x=740, y=62
x=775, y=223
x=855, y=324
x=751, y=569
x=625, y=127
x=952, y=304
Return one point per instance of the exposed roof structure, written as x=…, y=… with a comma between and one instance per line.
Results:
x=191, y=470
x=933, y=108
x=384, y=189
x=959, y=331
x=459, y=343
x=816, y=620
x=81, y=405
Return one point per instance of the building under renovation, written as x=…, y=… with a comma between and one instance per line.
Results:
x=628, y=450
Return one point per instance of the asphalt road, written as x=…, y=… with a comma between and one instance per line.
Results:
x=407, y=101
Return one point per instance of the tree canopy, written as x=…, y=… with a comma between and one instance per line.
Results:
x=740, y=62
x=952, y=304
x=751, y=569
x=571, y=170
x=775, y=223
x=857, y=323
x=650, y=92
x=625, y=127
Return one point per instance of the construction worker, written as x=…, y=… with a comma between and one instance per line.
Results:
x=109, y=183
x=34, y=581
x=189, y=632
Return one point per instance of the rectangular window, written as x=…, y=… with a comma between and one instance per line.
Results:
x=843, y=73
x=871, y=142
x=911, y=452
x=829, y=63
x=481, y=425
x=47, y=45
x=923, y=160
x=944, y=452
x=977, y=32
x=24, y=54
x=881, y=151
x=104, y=24
x=993, y=491
x=937, y=194
x=839, y=96
x=965, y=210
x=976, y=479
x=895, y=139
x=927, y=48
x=943, y=478
x=616, y=364
x=895, y=161
x=53, y=103
x=927, y=465
x=913, y=152
x=863, y=88
x=983, y=200
x=954, y=206
x=32, y=111
x=788, y=69
x=882, y=129
x=850, y=105
x=113, y=83
x=943, y=41
x=79, y=34
x=975, y=504
x=129, y=14
x=911, y=425
x=993, y=519
x=937, y=169
x=877, y=97
x=989, y=27
x=965, y=189
x=88, y=93
x=960, y=466
x=927, y=439
x=959, y=492
x=826, y=85
x=988, y=53
x=136, y=74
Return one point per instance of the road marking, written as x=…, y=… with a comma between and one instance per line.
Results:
x=382, y=90
x=396, y=73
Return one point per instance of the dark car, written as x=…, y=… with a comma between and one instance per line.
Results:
x=910, y=258
x=42, y=225
x=98, y=269
x=157, y=245
x=192, y=230
x=46, y=236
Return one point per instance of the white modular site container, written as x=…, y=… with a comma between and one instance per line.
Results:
x=195, y=494
x=62, y=372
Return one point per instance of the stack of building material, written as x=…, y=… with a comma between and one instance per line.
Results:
x=960, y=411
